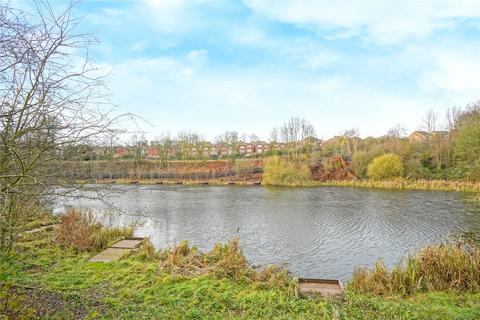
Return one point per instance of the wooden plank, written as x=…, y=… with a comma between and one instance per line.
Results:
x=110, y=254
x=324, y=287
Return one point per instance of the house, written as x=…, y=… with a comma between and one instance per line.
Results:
x=245, y=148
x=422, y=136
x=311, y=140
x=418, y=136
x=440, y=134
x=152, y=152
x=278, y=146
x=261, y=147
x=120, y=152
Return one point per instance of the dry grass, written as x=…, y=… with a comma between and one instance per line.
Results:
x=223, y=261
x=79, y=230
x=75, y=229
x=146, y=252
x=446, y=185
x=452, y=266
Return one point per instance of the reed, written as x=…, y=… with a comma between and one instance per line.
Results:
x=451, y=266
x=443, y=185
x=80, y=231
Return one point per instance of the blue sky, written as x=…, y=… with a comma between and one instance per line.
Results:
x=211, y=66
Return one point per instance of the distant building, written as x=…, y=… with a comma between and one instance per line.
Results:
x=278, y=146
x=120, y=152
x=245, y=148
x=422, y=136
x=311, y=140
x=152, y=152
x=418, y=136
x=261, y=147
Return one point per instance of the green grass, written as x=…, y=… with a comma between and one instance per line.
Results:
x=135, y=288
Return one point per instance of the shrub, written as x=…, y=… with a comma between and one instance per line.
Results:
x=80, y=231
x=228, y=261
x=443, y=267
x=278, y=171
x=182, y=259
x=474, y=172
x=385, y=167
x=147, y=252
x=75, y=229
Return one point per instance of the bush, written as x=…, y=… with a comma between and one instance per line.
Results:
x=80, y=231
x=474, y=172
x=444, y=267
x=386, y=166
x=278, y=171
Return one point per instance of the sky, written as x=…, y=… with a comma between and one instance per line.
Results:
x=210, y=66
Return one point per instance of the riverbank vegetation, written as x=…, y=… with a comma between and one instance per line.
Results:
x=431, y=159
x=278, y=171
x=46, y=279
x=451, y=266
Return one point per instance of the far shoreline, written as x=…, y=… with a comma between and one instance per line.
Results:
x=397, y=184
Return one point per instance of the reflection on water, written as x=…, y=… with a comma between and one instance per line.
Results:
x=316, y=232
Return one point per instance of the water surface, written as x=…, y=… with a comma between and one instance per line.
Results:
x=316, y=232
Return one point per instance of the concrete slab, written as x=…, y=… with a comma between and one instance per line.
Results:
x=111, y=254
x=127, y=244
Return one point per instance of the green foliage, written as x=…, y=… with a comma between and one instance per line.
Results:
x=361, y=159
x=135, y=289
x=278, y=171
x=467, y=141
x=386, y=167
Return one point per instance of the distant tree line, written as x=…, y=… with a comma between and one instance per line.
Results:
x=448, y=149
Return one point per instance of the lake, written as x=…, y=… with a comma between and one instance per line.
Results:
x=315, y=232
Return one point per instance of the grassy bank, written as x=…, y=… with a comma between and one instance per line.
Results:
x=46, y=280
x=402, y=184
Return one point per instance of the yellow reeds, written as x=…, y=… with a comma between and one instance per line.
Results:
x=452, y=266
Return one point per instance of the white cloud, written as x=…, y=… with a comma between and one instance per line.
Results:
x=319, y=60
x=139, y=46
x=453, y=72
x=197, y=57
x=174, y=95
x=379, y=21
x=169, y=15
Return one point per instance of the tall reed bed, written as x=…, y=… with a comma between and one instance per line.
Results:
x=466, y=186
x=452, y=266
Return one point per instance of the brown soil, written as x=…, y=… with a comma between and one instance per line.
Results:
x=18, y=302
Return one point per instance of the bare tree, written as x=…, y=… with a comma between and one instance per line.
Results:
x=274, y=135
x=186, y=140
x=430, y=121
x=136, y=144
x=452, y=118
x=163, y=144
x=294, y=131
x=395, y=135
x=430, y=124
x=350, y=139
x=50, y=99
x=230, y=140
